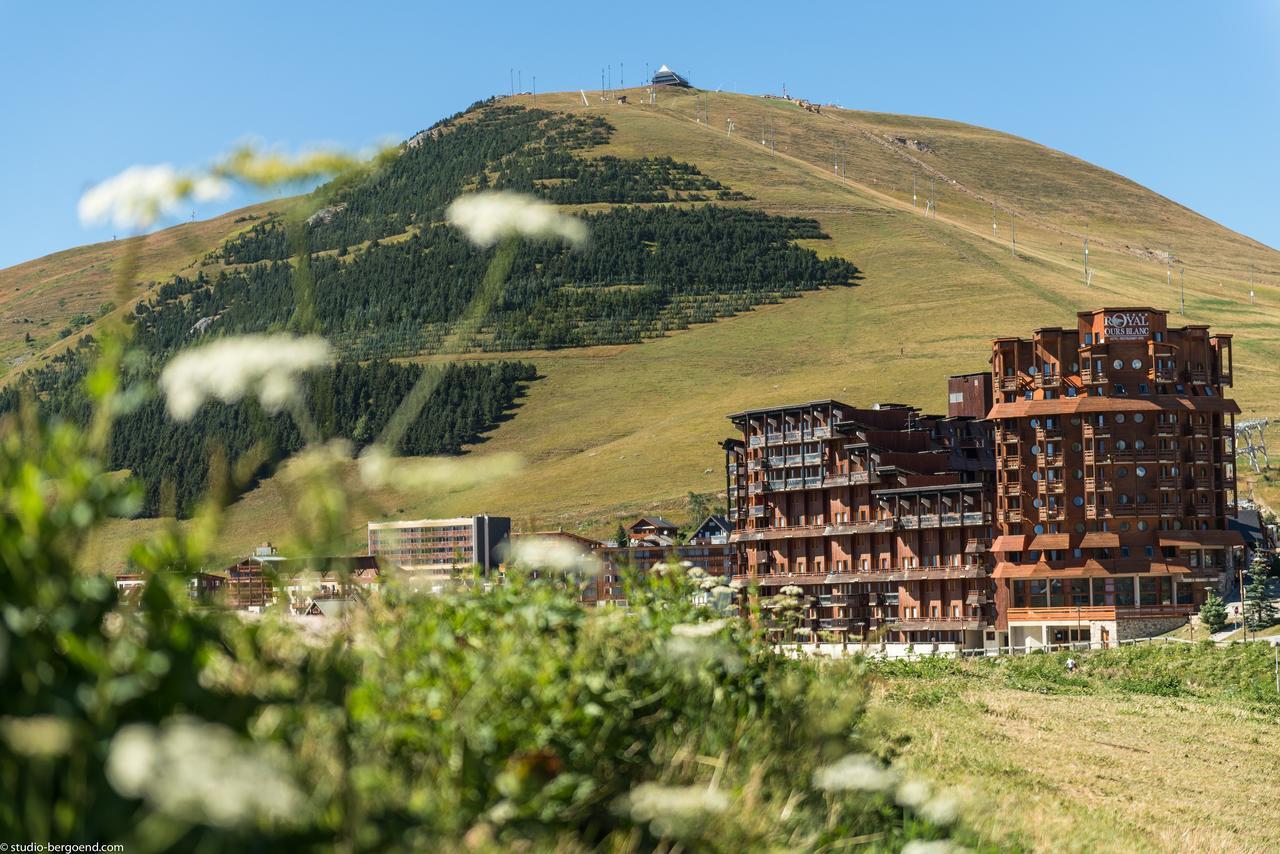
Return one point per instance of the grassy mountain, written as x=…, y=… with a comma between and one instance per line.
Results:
x=616, y=429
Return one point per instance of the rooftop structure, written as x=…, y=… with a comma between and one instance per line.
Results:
x=666, y=77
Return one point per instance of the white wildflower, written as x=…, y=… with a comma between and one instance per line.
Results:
x=721, y=590
x=229, y=368
x=698, y=630
x=696, y=573
x=792, y=590
x=941, y=809
x=913, y=794
x=737, y=584
x=554, y=553
x=674, y=810
x=935, y=846
x=198, y=771
x=37, y=735
x=140, y=195
x=380, y=469
x=857, y=771
x=486, y=218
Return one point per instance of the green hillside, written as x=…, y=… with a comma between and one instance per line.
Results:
x=610, y=430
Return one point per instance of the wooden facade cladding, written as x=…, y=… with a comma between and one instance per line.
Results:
x=1114, y=454
x=877, y=513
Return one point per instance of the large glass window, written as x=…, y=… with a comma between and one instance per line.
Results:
x=1155, y=591
x=1057, y=598
x=1039, y=592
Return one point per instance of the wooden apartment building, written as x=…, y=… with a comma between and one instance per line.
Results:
x=880, y=515
x=1115, y=458
x=1104, y=469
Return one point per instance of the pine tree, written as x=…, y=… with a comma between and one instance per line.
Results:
x=1213, y=613
x=621, y=536
x=1259, y=610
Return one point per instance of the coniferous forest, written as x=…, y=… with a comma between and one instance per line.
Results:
x=390, y=279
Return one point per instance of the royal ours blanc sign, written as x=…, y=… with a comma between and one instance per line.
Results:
x=1127, y=325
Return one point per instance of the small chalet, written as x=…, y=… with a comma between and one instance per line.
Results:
x=713, y=531
x=652, y=531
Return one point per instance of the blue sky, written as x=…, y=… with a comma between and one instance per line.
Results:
x=1180, y=97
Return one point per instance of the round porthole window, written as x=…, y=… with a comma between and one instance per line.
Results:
x=1075, y=366
x=1177, y=524
x=1139, y=444
x=1035, y=475
x=1121, y=445
x=1035, y=422
x=1142, y=526
x=1118, y=364
x=1140, y=471
x=1037, y=504
x=1119, y=417
x=1135, y=364
x=1124, y=526
x=1079, y=527
x=1075, y=446
x=1033, y=370
x=1121, y=471
x=1079, y=474
x=1124, y=499
x=1039, y=529
x=1035, y=450
x=1137, y=418
x=1078, y=501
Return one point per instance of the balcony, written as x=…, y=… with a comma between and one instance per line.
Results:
x=1009, y=383
x=1012, y=462
x=834, y=624
x=812, y=459
x=1163, y=375
x=821, y=433
x=1094, y=484
x=794, y=483
x=976, y=518
x=1082, y=613
x=1050, y=460
x=755, y=488
x=952, y=520
x=1007, y=436
x=757, y=511
x=793, y=460
x=1053, y=514
x=1011, y=488
x=812, y=482
x=1166, y=483
x=1203, y=483
x=1093, y=431
x=1009, y=517
x=1049, y=381
x=791, y=436
x=776, y=461
x=1051, y=486
x=773, y=438
x=1093, y=377
x=756, y=441
x=1200, y=377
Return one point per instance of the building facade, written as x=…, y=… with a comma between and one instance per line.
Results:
x=440, y=547
x=1115, y=477
x=881, y=516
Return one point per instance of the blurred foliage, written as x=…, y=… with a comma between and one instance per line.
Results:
x=476, y=718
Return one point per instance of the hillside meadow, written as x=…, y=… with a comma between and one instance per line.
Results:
x=609, y=432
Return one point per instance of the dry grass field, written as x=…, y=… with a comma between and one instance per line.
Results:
x=613, y=431
x=1098, y=763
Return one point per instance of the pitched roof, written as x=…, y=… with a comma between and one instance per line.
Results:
x=653, y=522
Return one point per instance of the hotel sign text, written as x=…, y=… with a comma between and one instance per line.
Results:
x=1127, y=325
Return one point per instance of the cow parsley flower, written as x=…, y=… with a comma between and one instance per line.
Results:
x=855, y=772
x=554, y=553
x=674, y=810
x=486, y=218
x=227, y=369
x=698, y=630
x=203, y=772
x=140, y=195
x=378, y=469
